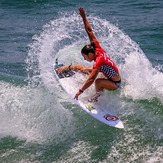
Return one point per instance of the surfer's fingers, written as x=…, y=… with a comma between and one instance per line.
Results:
x=75, y=98
x=59, y=69
x=81, y=11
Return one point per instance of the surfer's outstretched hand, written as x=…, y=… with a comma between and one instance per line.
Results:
x=76, y=96
x=82, y=12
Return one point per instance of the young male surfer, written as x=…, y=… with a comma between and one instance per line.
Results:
x=102, y=63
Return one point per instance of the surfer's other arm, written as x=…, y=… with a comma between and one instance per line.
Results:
x=88, y=83
x=88, y=28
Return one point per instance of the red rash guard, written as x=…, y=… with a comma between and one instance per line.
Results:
x=104, y=63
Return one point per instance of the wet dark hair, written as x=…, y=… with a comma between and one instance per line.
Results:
x=89, y=49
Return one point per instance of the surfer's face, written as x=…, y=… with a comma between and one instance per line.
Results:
x=88, y=57
x=85, y=57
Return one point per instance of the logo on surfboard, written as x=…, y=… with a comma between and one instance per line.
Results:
x=109, y=117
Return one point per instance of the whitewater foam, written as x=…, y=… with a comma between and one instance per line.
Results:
x=32, y=114
x=65, y=34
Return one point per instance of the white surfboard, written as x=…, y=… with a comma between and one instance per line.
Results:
x=94, y=109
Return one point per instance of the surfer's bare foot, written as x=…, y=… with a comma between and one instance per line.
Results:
x=95, y=97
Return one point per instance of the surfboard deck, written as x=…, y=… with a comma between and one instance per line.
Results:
x=94, y=109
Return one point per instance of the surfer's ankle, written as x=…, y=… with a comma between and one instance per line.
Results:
x=95, y=97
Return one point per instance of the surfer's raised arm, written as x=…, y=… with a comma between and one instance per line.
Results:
x=88, y=28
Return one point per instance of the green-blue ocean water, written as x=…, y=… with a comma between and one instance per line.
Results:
x=38, y=120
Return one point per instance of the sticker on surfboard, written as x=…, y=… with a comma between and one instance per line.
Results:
x=109, y=117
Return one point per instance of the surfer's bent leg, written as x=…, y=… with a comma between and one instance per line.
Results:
x=102, y=84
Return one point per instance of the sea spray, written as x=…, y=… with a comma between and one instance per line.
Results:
x=32, y=114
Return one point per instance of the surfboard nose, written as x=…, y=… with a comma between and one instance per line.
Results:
x=120, y=125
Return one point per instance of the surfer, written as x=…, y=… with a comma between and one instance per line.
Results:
x=102, y=63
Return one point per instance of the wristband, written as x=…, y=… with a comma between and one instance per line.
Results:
x=81, y=91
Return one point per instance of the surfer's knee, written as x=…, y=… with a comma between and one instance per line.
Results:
x=98, y=85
